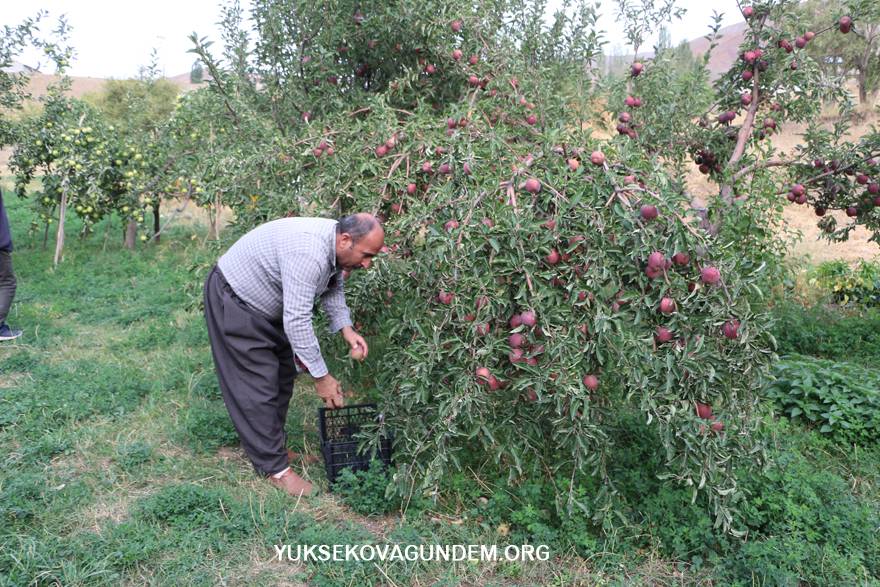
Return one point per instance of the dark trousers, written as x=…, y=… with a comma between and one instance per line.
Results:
x=255, y=369
x=7, y=284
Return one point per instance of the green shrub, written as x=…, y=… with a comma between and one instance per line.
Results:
x=806, y=527
x=364, y=491
x=22, y=497
x=132, y=455
x=209, y=513
x=208, y=427
x=851, y=285
x=837, y=398
x=827, y=332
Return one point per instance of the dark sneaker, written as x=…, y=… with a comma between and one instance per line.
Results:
x=6, y=333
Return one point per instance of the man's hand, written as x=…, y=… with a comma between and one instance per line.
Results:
x=329, y=390
x=357, y=343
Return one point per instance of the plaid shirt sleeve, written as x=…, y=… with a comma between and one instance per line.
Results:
x=333, y=302
x=299, y=283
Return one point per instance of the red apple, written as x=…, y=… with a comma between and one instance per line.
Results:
x=411, y=188
x=451, y=225
x=636, y=68
x=662, y=335
x=473, y=59
x=532, y=185
x=515, y=321
x=730, y=329
x=717, y=426
x=748, y=12
x=573, y=164
x=532, y=119
x=704, y=411
x=483, y=374
x=445, y=297
x=516, y=340
x=667, y=305
x=427, y=167
x=591, y=382
x=597, y=158
x=482, y=329
x=529, y=318
x=874, y=188
x=681, y=259
x=456, y=54
x=553, y=257
x=862, y=179
x=845, y=24
x=710, y=275
x=456, y=25
x=648, y=212
x=852, y=211
x=656, y=260
x=515, y=355
x=809, y=35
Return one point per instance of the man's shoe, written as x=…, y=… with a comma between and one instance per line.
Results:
x=6, y=333
x=293, y=484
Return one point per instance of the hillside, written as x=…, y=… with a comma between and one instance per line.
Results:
x=80, y=86
x=727, y=50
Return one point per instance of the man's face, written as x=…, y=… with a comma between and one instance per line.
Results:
x=351, y=256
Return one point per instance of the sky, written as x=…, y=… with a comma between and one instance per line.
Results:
x=115, y=38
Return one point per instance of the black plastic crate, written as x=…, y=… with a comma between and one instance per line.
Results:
x=338, y=445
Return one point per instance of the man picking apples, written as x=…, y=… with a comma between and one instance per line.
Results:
x=259, y=300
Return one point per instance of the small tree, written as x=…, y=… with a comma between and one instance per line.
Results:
x=197, y=73
x=857, y=53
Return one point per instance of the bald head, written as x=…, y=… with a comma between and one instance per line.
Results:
x=359, y=238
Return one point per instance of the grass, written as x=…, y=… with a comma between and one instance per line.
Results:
x=120, y=466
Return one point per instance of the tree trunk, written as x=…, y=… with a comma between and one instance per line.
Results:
x=214, y=228
x=59, y=237
x=156, y=226
x=130, y=234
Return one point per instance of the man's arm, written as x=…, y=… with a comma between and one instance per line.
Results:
x=333, y=303
x=299, y=281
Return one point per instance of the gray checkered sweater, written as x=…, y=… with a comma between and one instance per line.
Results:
x=279, y=268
